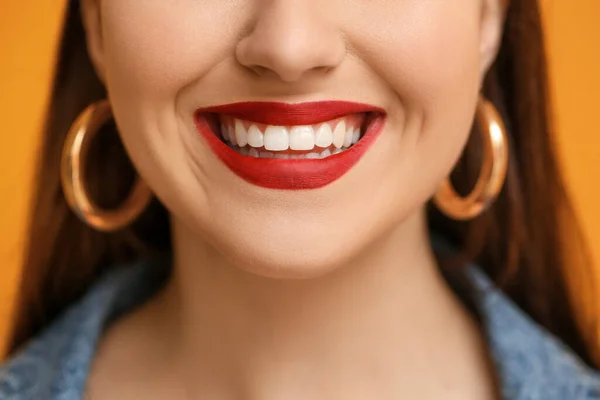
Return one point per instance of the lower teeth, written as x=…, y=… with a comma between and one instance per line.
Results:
x=252, y=152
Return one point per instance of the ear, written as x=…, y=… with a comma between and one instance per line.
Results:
x=92, y=22
x=493, y=16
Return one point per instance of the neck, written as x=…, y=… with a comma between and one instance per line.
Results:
x=385, y=319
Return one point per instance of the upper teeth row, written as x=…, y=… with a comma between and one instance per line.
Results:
x=280, y=138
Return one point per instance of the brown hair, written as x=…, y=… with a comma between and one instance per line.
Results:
x=520, y=242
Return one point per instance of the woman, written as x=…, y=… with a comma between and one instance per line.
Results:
x=280, y=242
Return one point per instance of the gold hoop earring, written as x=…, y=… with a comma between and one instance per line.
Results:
x=74, y=156
x=492, y=174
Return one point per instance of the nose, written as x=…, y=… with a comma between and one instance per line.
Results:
x=290, y=40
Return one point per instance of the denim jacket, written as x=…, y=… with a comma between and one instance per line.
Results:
x=530, y=362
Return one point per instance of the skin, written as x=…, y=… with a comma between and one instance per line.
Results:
x=321, y=294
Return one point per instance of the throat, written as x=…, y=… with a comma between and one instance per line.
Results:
x=376, y=326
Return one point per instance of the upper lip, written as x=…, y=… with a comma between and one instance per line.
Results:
x=281, y=114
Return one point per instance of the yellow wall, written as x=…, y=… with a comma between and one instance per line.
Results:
x=574, y=50
x=28, y=30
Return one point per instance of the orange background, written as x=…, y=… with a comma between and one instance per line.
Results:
x=28, y=33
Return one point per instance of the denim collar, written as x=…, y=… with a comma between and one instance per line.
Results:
x=531, y=363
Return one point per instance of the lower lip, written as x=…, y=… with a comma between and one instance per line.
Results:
x=294, y=174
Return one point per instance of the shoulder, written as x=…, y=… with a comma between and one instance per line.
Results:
x=55, y=364
x=531, y=362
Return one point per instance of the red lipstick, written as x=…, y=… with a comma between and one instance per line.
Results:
x=290, y=174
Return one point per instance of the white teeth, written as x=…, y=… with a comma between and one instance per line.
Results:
x=276, y=138
x=302, y=138
x=255, y=137
x=231, y=133
x=356, y=136
x=324, y=136
x=348, y=137
x=339, y=134
x=224, y=133
x=240, y=134
x=280, y=138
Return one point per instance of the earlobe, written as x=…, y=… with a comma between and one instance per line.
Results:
x=493, y=17
x=92, y=23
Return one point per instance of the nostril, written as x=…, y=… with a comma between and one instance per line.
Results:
x=323, y=70
x=280, y=72
x=260, y=70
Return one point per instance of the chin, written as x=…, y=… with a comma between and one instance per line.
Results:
x=284, y=262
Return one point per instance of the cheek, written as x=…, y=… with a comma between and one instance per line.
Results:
x=428, y=54
x=422, y=48
x=155, y=50
x=153, y=53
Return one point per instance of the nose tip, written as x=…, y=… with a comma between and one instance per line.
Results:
x=288, y=59
x=290, y=43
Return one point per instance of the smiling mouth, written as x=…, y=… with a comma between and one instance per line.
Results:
x=314, y=141
x=290, y=146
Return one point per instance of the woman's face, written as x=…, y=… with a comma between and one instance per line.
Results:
x=405, y=75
